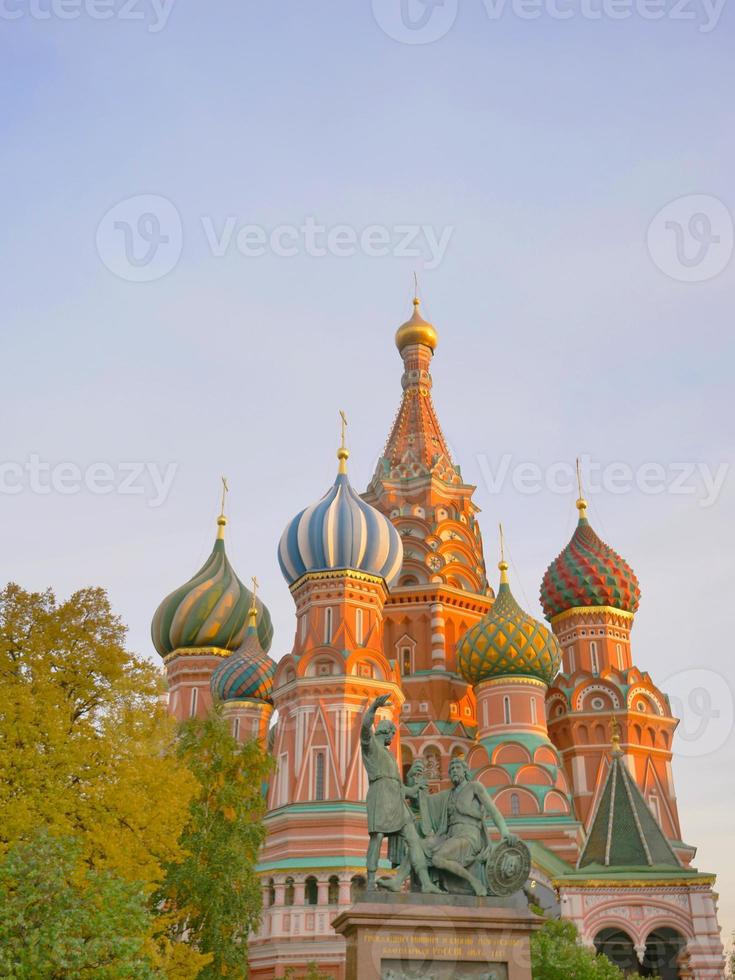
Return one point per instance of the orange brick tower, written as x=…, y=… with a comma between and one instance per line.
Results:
x=590, y=596
x=442, y=588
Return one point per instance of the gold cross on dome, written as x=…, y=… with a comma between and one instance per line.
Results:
x=225, y=490
x=343, y=419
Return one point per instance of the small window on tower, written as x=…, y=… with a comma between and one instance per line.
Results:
x=424, y=706
x=365, y=670
x=506, y=709
x=619, y=650
x=193, y=703
x=236, y=728
x=319, y=776
x=406, y=665
x=327, y=625
x=593, y=658
x=358, y=627
x=453, y=708
x=533, y=711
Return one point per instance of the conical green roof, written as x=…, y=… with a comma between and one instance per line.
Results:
x=624, y=832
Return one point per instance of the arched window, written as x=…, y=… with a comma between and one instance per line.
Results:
x=515, y=805
x=506, y=709
x=288, y=897
x=236, y=728
x=318, y=775
x=328, y=625
x=533, y=711
x=311, y=890
x=593, y=658
x=619, y=651
x=358, y=627
x=570, y=659
x=406, y=664
x=193, y=702
x=333, y=891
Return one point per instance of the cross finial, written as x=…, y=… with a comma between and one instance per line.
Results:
x=502, y=564
x=343, y=452
x=581, y=502
x=222, y=520
x=615, y=733
x=253, y=611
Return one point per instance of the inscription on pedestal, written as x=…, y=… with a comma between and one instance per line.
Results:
x=436, y=970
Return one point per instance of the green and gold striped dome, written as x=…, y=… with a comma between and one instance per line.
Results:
x=210, y=610
x=507, y=642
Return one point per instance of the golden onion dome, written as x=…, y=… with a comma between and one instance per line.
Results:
x=416, y=331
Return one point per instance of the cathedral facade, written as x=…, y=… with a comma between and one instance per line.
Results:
x=573, y=740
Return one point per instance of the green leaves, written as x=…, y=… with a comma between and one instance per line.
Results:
x=213, y=894
x=557, y=954
x=58, y=919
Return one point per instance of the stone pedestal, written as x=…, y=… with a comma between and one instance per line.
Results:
x=437, y=937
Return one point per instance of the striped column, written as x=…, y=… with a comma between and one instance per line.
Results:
x=438, y=647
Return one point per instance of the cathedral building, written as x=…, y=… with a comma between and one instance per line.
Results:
x=391, y=596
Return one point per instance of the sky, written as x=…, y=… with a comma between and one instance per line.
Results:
x=211, y=219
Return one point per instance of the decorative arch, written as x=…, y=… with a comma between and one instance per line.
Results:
x=586, y=689
x=555, y=802
x=644, y=693
x=527, y=802
x=509, y=753
x=532, y=775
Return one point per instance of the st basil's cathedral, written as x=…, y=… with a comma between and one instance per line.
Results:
x=391, y=594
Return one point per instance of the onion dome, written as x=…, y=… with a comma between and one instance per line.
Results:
x=248, y=672
x=588, y=573
x=507, y=642
x=210, y=610
x=416, y=330
x=341, y=531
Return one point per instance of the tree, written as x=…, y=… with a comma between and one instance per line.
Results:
x=86, y=750
x=58, y=919
x=88, y=753
x=557, y=954
x=213, y=895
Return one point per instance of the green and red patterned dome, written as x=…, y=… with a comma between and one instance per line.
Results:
x=588, y=573
x=248, y=673
x=210, y=610
x=507, y=642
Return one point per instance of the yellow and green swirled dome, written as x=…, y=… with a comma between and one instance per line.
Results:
x=507, y=642
x=210, y=610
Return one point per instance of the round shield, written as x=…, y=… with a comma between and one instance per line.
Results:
x=507, y=868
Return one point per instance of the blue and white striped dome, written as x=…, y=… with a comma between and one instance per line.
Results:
x=340, y=531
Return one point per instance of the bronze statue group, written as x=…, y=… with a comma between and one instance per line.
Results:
x=441, y=839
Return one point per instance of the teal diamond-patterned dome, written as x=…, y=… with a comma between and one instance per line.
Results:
x=508, y=642
x=247, y=673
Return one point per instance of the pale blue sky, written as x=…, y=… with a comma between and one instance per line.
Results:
x=546, y=147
